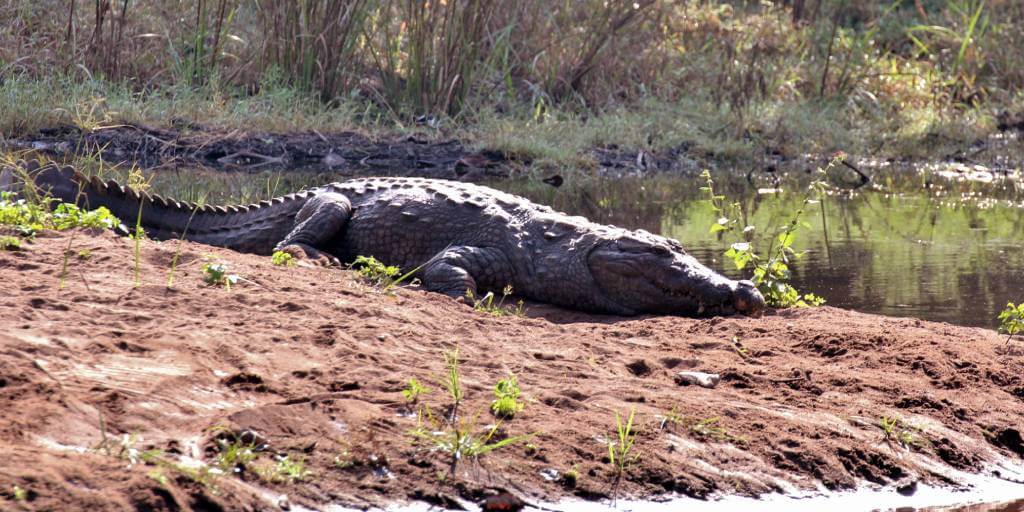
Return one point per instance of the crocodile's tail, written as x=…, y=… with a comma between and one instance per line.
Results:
x=250, y=228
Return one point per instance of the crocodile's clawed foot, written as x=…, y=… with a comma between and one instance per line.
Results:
x=310, y=256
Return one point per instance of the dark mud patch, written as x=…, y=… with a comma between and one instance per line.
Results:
x=346, y=153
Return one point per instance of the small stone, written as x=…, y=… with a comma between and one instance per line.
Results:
x=504, y=501
x=704, y=380
x=906, y=488
x=284, y=503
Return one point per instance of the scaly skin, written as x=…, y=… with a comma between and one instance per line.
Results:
x=460, y=236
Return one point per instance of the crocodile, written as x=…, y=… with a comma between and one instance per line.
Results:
x=460, y=237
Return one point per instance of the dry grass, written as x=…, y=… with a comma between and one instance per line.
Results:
x=535, y=78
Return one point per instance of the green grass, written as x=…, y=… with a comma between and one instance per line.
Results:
x=487, y=304
x=286, y=470
x=452, y=381
x=621, y=454
x=459, y=436
x=896, y=430
x=711, y=428
x=234, y=457
x=238, y=458
x=728, y=81
x=30, y=214
x=33, y=103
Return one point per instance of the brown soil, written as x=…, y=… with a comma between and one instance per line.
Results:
x=310, y=363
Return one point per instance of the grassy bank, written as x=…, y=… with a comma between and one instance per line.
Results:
x=537, y=80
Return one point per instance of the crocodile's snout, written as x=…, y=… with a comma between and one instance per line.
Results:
x=747, y=299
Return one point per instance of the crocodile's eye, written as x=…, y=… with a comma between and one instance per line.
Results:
x=660, y=250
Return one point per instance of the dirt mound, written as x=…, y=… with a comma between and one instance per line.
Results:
x=287, y=388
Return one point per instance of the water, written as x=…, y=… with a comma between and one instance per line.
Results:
x=939, y=255
x=937, y=242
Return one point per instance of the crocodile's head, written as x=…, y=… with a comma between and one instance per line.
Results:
x=646, y=273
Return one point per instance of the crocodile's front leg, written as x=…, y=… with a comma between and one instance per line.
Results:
x=318, y=221
x=466, y=268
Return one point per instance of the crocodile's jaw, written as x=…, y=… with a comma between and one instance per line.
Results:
x=653, y=276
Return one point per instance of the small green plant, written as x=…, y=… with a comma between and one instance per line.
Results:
x=672, y=418
x=381, y=276
x=20, y=494
x=344, y=459
x=737, y=345
x=506, y=402
x=463, y=439
x=282, y=259
x=138, y=183
x=217, y=274
x=10, y=243
x=771, y=273
x=29, y=217
x=453, y=382
x=413, y=390
x=620, y=449
x=453, y=434
x=712, y=428
x=706, y=427
x=84, y=255
x=181, y=240
x=69, y=216
x=234, y=456
x=125, y=449
x=1011, y=320
x=286, y=470
x=486, y=303
x=571, y=476
x=896, y=430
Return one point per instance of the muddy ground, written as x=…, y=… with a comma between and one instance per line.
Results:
x=346, y=153
x=115, y=395
x=429, y=152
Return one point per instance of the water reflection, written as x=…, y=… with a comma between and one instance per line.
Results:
x=911, y=244
x=951, y=257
